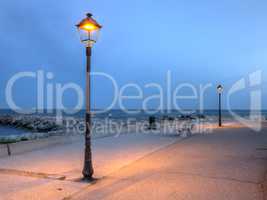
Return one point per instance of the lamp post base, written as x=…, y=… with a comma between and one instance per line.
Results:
x=88, y=179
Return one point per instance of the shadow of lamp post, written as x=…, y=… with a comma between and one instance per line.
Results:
x=89, y=30
x=220, y=91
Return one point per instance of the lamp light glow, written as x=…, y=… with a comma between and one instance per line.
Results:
x=88, y=27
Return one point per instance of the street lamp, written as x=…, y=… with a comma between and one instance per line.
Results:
x=220, y=91
x=89, y=30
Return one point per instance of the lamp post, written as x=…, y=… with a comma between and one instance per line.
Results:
x=88, y=29
x=220, y=91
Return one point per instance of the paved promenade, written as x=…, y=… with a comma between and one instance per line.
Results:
x=229, y=164
x=54, y=171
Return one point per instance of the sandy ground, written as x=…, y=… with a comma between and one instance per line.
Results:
x=231, y=163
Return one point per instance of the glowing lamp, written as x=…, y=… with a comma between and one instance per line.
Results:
x=89, y=30
x=220, y=89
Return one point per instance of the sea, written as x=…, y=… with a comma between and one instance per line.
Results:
x=123, y=115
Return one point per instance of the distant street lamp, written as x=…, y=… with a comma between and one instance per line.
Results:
x=220, y=91
x=88, y=29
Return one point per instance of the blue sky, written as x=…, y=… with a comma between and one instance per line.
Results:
x=200, y=42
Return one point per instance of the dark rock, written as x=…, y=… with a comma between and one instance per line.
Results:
x=31, y=123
